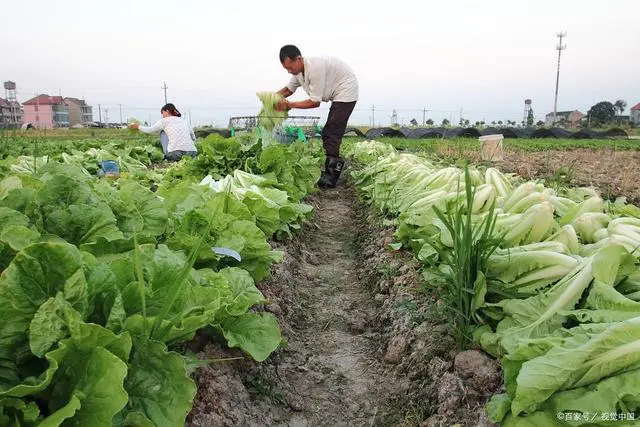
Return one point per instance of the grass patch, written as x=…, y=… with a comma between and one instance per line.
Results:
x=464, y=284
x=260, y=386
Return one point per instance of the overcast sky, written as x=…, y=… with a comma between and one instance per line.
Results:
x=484, y=57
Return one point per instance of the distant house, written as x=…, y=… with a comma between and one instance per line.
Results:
x=569, y=119
x=46, y=112
x=634, y=116
x=10, y=114
x=79, y=112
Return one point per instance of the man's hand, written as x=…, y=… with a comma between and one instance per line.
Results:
x=283, y=105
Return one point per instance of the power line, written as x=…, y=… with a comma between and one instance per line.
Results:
x=559, y=48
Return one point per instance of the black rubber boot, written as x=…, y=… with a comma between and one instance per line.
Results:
x=333, y=168
x=324, y=180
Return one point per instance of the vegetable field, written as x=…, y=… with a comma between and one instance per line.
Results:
x=102, y=278
x=428, y=289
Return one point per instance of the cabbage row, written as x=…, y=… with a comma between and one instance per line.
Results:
x=560, y=306
x=101, y=279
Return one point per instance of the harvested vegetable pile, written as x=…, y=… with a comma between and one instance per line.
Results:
x=269, y=117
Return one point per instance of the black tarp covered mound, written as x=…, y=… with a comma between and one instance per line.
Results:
x=524, y=132
x=490, y=131
x=203, y=133
x=507, y=132
x=354, y=132
x=469, y=133
x=406, y=132
x=586, y=134
x=615, y=133
x=379, y=132
x=425, y=133
x=457, y=132
x=551, y=133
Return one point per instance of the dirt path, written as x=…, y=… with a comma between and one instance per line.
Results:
x=330, y=372
x=331, y=365
x=363, y=346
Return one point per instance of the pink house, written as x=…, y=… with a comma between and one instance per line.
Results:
x=635, y=114
x=46, y=112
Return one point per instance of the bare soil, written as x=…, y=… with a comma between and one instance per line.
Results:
x=613, y=172
x=365, y=345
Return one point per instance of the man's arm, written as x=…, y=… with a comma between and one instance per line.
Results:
x=307, y=103
x=285, y=92
x=285, y=105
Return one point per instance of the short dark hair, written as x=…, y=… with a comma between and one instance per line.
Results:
x=289, y=51
x=171, y=109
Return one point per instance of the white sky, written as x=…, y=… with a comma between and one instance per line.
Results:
x=485, y=57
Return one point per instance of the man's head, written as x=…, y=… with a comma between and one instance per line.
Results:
x=291, y=59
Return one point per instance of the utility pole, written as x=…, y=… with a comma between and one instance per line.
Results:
x=38, y=110
x=559, y=48
x=99, y=115
x=373, y=116
x=106, y=117
x=424, y=116
x=164, y=86
x=120, y=105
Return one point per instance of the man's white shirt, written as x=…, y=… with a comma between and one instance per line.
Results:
x=326, y=78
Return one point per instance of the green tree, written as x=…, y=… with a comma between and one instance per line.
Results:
x=445, y=122
x=530, y=118
x=429, y=122
x=539, y=123
x=601, y=113
x=620, y=106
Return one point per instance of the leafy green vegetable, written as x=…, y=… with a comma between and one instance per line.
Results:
x=164, y=400
x=256, y=333
x=269, y=117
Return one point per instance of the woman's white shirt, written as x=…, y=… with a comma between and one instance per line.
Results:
x=180, y=136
